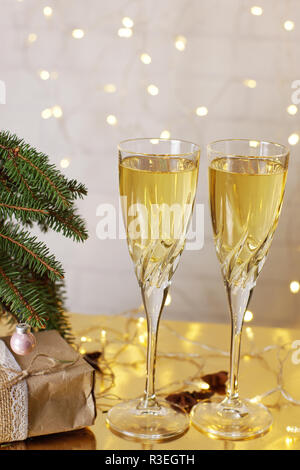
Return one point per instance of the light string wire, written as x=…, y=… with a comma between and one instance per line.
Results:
x=131, y=336
x=139, y=27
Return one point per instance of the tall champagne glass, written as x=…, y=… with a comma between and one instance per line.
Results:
x=246, y=187
x=158, y=180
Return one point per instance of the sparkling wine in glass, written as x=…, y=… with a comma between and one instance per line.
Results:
x=246, y=187
x=158, y=181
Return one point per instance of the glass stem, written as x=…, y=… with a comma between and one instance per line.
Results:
x=238, y=298
x=154, y=300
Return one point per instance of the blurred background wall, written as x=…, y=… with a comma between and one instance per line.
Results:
x=77, y=76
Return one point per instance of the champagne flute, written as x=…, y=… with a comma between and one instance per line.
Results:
x=246, y=186
x=158, y=181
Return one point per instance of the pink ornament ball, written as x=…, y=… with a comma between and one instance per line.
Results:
x=22, y=341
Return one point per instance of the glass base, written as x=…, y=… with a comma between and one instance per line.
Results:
x=157, y=423
x=238, y=420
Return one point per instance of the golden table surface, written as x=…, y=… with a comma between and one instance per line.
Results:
x=258, y=374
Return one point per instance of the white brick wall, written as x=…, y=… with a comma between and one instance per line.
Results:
x=225, y=45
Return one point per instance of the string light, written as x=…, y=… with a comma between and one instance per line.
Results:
x=201, y=111
x=293, y=429
x=154, y=141
x=145, y=58
x=289, y=441
x=165, y=135
x=111, y=120
x=256, y=11
x=293, y=139
x=46, y=113
x=64, y=163
x=48, y=11
x=248, y=316
x=103, y=338
x=57, y=112
x=32, y=37
x=253, y=143
x=180, y=43
x=289, y=25
x=78, y=33
x=294, y=287
x=125, y=32
x=153, y=90
x=250, y=83
x=127, y=22
x=110, y=88
x=249, y=332
x=44, y=74
x=292, y=109
x=82, y=350
x=143, y=339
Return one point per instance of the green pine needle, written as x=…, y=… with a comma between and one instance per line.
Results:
x=34, y=191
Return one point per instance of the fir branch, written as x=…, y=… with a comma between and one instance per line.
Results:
x=28, y=251
x=34, y=191
x=66, y=222
x=27, y=167
x=13, y=295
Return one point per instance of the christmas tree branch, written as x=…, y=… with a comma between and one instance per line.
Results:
x=34, y=191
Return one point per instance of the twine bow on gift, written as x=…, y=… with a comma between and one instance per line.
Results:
x=56, y=366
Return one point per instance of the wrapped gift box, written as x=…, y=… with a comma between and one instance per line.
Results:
x=51, y=390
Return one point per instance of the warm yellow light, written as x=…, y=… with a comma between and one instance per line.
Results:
x=46, y=113
x=125, y=32
x=204, y=386
x=44, y=75
x=143, y=338
x=48, y=11
x=289, y=25
x=141, y=320
x=255, y=399
x=78, y=33
x=110, y=88
x=127, y=22
x=111, y=120
x=145, y=58
x=180, y=43
x=293, y=429
x=256, y=11
x=103, y=334
x=153, y=90
x=248, y=316
x=294, y=287
x=154, y=141
x=253, y=143
x=292, y=109
x=32, y=37
x=57, y=111
x=249, y=332
x=289, y=441
x=293, y=139
x=202, y=111
x=165, y=135
x=168, y=299
x=64, y=163
x=82, y=351
x=250, y=83
x=83, y=339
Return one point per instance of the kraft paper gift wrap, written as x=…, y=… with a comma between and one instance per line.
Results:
x=51, y=390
